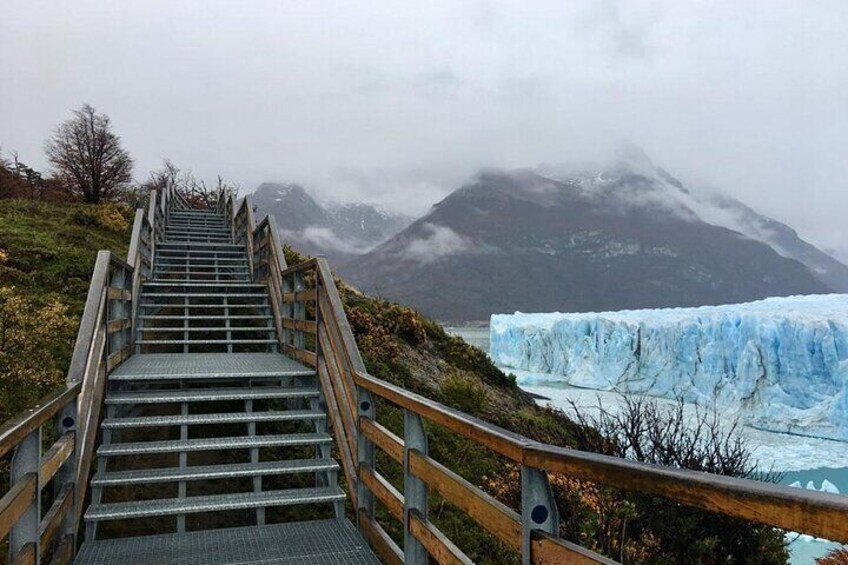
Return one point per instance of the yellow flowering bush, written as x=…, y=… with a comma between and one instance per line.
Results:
x=34, y=345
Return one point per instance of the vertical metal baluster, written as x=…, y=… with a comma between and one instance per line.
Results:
x=414, y=489
x=66, y=422
x=299, y=310
x=364, y=453
x=538, y=508
x=26, y=461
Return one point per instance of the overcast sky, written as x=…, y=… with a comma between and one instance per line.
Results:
x=400, y=102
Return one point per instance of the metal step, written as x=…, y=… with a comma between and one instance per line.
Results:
x=203, y=295
x=202, y=284
x=211, y=472
x=183, y=245
x=232, y=317
x=194, y=504
x=234, y=329
x=202, y=366
x=210, y=395
x=210, y=419
x=211, y=444
x=218, y=305
x=205, y=341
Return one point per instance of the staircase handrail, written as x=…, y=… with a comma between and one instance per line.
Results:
x=103, y=342
x=534, y=531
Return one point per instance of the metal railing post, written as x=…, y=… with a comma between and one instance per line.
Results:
x=364, y=453
x=538, y=508
x=26, y=461
x=66, y=422
x=414, y=489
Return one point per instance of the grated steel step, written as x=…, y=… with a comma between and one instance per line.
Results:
x=232, y=317
x=205, y=341
x=187, y=366
x=211, y=444
x=203, y=295
x=314, y=542
x=210, y=394
x=211, y=472
x=218, y=305
x=203, y=284
x=215, y=329
x=212, y=503
x=184, y=245
x=210, y=419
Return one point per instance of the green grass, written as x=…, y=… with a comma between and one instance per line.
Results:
x=50, y=253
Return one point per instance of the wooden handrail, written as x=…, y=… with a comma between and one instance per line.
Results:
x=15, y=430
x=821, y=514
x=344, y=378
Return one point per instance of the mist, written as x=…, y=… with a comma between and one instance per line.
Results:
x=399, y=103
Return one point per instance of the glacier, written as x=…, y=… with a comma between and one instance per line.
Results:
x=779, y=364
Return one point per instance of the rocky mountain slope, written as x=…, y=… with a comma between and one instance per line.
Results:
x=592, y=238
x=338, y=231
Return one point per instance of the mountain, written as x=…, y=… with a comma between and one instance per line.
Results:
x=338, y=231
x=589, y=238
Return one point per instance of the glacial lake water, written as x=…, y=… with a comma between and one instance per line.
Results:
x=801, y=459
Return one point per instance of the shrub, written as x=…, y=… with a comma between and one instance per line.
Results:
x=835, y=557
x=464, y=393
x=86, y=216
x=34, y=346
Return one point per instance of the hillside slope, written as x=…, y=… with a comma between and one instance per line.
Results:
x=47, y=252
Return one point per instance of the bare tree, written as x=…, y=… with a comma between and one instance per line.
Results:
x=193, y=190
x=88, y=156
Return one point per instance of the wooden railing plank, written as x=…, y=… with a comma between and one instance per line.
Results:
x=391, y=498
x=308, y=326
x=391, y=444
x=334, y=382
x=338, y=429
x=19, y=427
x=498, y=439
x=308, y=295
x=26, y=556
x=546, y=549
x=437, y=544
x=302, y=355
x=385, y=547
x=52, y=521
x=55, y=457
x=64, y=553
x=487, y=511
x=16, y=502
x=817, y=513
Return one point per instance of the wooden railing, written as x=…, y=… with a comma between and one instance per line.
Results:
x=103, y=341
x=534, y=531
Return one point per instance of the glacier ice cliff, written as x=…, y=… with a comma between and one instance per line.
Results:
x=779, y=364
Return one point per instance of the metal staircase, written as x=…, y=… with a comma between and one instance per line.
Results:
x=208, y=423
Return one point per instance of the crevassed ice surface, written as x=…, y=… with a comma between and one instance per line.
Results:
x=780, y=364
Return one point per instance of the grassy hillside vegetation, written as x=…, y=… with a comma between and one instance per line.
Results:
x=47, y=252
x=403, y=347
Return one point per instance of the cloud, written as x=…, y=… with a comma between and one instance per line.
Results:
x=325, y=238
x=439, y=241
x=401, y=103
